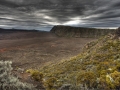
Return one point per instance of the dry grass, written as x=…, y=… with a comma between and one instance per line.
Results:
x=97, y=67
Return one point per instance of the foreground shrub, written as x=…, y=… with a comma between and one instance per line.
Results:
x=8, y=81
x=38, y=76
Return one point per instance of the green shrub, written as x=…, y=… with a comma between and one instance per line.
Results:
x=38, y=76
x=50, y=83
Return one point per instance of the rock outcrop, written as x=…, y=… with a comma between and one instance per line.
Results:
x=68, y=31
x=118, y=32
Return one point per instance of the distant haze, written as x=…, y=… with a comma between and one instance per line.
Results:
x=44, y=14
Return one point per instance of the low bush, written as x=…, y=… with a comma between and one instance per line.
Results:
x=8, y=81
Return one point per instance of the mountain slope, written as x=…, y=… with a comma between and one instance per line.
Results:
x=97, y=67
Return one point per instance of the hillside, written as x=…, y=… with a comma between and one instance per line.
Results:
x=68, y=31
x=96, y=68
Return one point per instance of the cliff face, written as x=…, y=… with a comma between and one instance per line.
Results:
x=118, y=32
x=68, y=31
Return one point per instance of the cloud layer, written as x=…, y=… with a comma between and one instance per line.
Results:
x=43, y=14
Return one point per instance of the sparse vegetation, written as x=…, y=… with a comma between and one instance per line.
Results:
x=96, y=68
x=68, y=31
x=38, y=76
x=10, y=82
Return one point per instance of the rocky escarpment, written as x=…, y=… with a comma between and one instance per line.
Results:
x=118, y=32
x=68, y=31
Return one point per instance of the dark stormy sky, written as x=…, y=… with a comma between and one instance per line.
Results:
x=43, y=14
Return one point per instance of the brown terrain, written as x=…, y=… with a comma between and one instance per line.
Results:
x=33, y=49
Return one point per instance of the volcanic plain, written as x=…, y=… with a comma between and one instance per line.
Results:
x=33, y=49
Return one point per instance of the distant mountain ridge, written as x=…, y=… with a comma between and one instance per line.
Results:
x=68, y=31
x=15, y=30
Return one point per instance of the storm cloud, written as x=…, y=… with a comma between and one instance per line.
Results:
x=43, y=14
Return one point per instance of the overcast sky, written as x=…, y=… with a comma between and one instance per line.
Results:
x=43, y=14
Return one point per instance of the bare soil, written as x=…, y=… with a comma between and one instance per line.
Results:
x=34, y=49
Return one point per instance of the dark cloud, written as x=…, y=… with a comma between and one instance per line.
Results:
x=46, y=13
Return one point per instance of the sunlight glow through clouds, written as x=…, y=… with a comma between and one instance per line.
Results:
x=7, y=17
x=74, y=21
x=42, y=15
x=53, y=23
x=6, y=26
x=2, y=25
x=92, y=16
